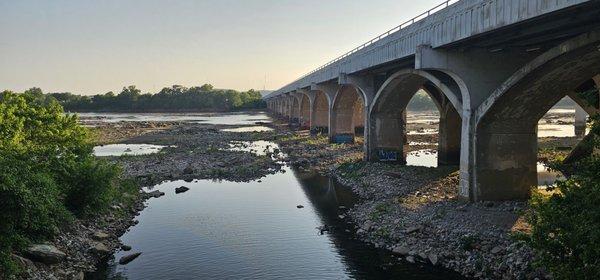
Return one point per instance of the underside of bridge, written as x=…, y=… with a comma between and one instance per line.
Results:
x=320, y=113
x=490, y=89
x=304, y=111
x=506, y=135
x=347, y=115
x=387, y=120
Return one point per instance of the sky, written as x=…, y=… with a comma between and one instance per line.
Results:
x=92, y=47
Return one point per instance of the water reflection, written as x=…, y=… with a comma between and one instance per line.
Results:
x=546, y=176
x=248, y=129
x=426, y=158
x=228, y=230
x=126, y=149
x=247, y=118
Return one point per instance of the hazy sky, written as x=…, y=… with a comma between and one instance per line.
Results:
x=91, y=47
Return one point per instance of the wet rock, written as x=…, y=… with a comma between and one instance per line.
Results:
x=100, y=235
x=155, y=194
x=323, y=229
x=125, y=247
x=129, y=258
x=299, y=206
x=181, y=189
x=47, y=254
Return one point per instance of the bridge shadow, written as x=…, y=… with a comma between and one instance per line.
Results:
x=330, y=200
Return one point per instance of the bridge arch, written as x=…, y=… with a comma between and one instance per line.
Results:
x=347, y=116
x=304, y=110
x=320, y=112
x=505, y=145
x=387, y=116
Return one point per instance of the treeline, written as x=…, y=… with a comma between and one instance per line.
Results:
x=172, y=99
x=421, y=102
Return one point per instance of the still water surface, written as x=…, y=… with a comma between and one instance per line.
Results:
x=228, y=230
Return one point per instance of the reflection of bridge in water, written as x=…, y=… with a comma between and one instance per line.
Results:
x=327, y=196
x=493, y=69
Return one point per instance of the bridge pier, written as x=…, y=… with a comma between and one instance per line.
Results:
x=319, y=113
x=348, y=111
x=387, y=136
x=449, y=135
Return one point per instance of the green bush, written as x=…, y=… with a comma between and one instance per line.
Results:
x=89, y=185
x=566, y=224
x=47, y=174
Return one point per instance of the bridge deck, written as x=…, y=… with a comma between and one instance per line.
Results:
x=458, y=21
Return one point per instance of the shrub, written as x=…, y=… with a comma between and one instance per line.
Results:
x=89, y=185
x=47, y=174
x=566, y=224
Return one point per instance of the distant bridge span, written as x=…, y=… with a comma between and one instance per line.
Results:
x=493, y=68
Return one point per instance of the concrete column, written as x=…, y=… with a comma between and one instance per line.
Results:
x=505, y=165
x=366, y=90
x=449, y=136
x=358, y=118
x=387, y=136
x=325, y=93
x=479, y=73
x=319, y=113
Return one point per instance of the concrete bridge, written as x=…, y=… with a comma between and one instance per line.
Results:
x=492, y=67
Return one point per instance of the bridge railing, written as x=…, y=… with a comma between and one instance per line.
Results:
x=405, y=24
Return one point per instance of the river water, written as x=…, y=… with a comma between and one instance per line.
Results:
x=254, y=230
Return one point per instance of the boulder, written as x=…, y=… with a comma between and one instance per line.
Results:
x=401, y=250
x=100, y=249
x=125, y=247
x=100, y=235
x=129, y=258
x=47, y=254
x=155, y=194
x=181, y=189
